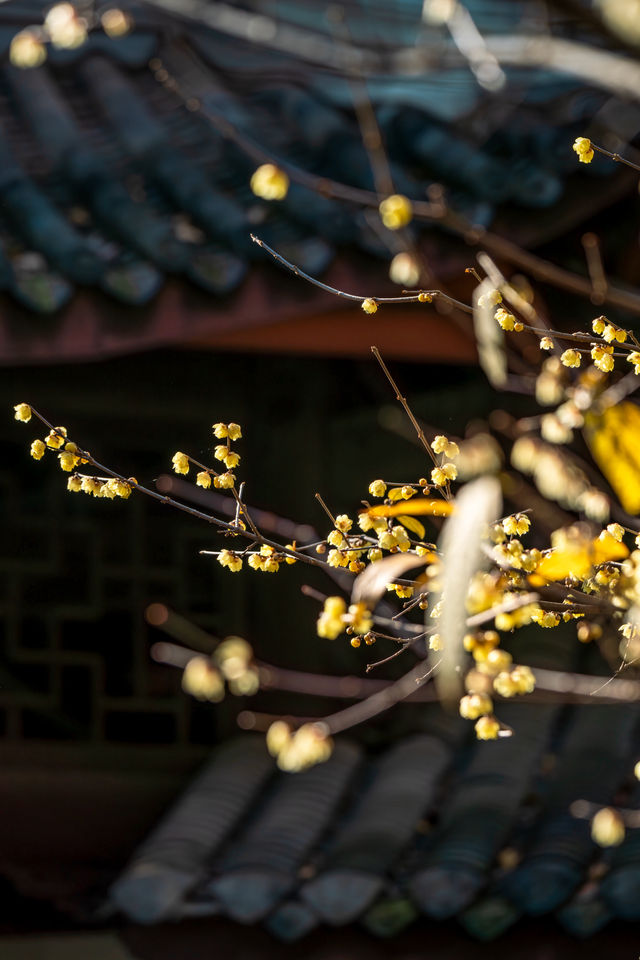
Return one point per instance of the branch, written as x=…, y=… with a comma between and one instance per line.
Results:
x=408, y=298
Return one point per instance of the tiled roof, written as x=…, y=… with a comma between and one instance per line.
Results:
x=433, y=825
x=110, y=182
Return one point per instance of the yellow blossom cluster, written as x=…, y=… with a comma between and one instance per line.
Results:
x=206, y=678
x=109, y=488
x=400, y=590
x=234, y=659
x=507, y=320
x=396, y=211
x=202, y=680
x=230, y=560
x=300, y=749
x=205, y=476
x=267, y=559
x=335, y=618
x=490, y=299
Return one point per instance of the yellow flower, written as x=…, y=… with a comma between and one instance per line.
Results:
x=487, y=728
x=518, y=523
x=407, y=492
x=288, y=559
x=450, y=471
x=180, y=462
x=607, y=828
x=227, y=558
x=530, y=560
x=598, y=325
x=336, y=558
x=221, y=451
x=256, y=562
x=439, y=444
x=506, y=320
x=451, y=450
x=37, y=449
x=56, y=438
x=496, y=661
x=490, y=299
x=524, y=679
x=334, y=607
x=269, y=182
x=27, y=50
x=505, y=685
x=387, y=540
x=220, y=431
x=438, y=477
x=475, y=705
x=602, y=358
x=404, y=269
x=235, y=431
x=91, y=485
x=67, y=461
x=278, y=737
x=634, y=358
x=224, y=481
x=309, y=745
x=122, y=488
x=22, y=412
x=401, y=591
x=401, y=537
x=571, y=358
x=203, y=479
x=609, y=333
x=369, y=305
x=636, y=770
x=621, y=336
x=374, y=554
x=202, y=680
x=582, y=146
x=344, y=523
x=546, y=343
x=74, y=484
x=378, y=488
x=396, y=211
x=359, y=618
x=330, y=622
x=545, y=618
x=231, y=460
x=616, y=531
x=435, y=642
x=335, y=539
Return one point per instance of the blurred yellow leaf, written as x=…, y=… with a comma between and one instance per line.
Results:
x=613, y=438
x=414, y=525
x=430, y=508
x=578, y=560
x=395, y=493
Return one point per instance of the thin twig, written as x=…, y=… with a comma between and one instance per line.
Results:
x=353, y=296
x=407, y=409
x=615, y=156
